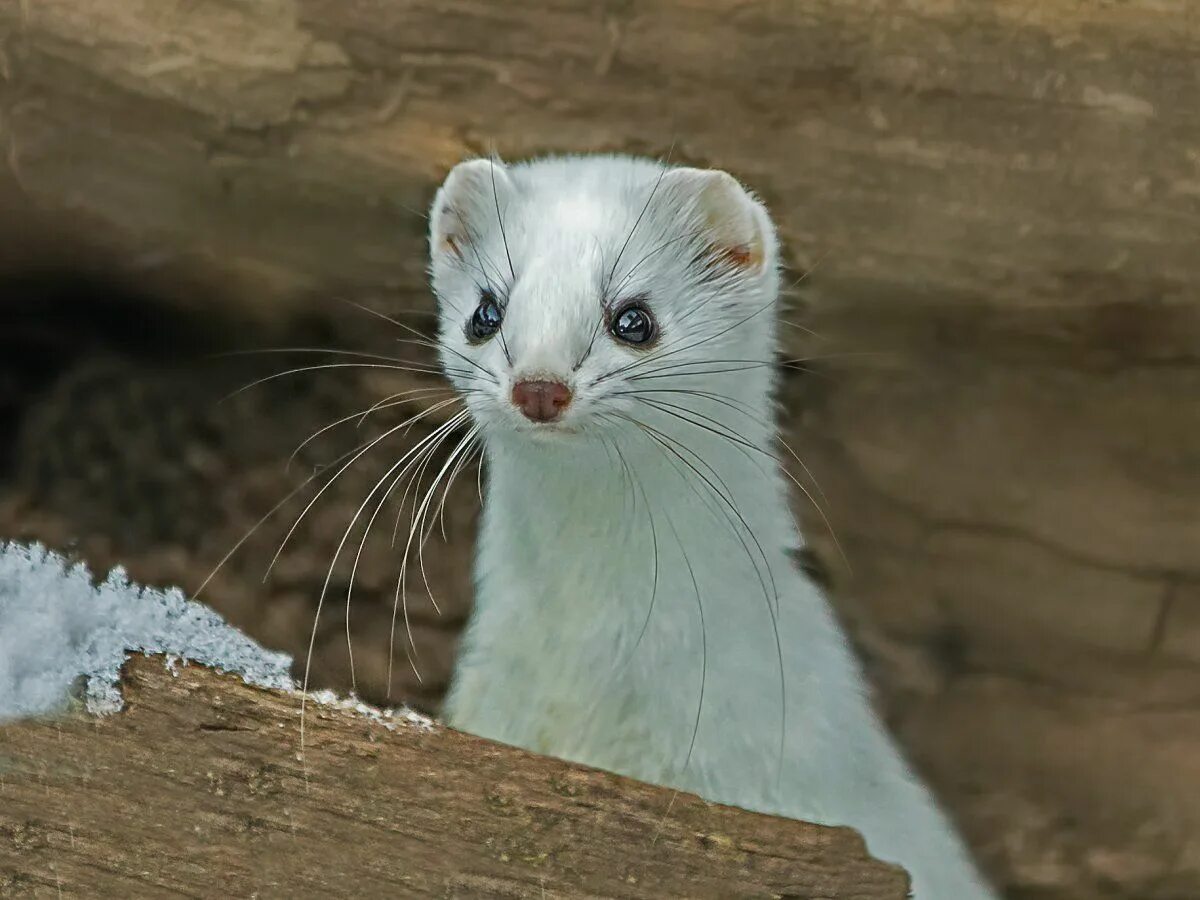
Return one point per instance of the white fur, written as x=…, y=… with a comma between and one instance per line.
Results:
x=581, y=646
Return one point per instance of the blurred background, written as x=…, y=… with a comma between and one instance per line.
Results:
x=990, y=210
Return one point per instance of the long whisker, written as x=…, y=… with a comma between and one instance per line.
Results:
x=476, y=444
x=300, y=370
x=473, y=241
x=479, y=474
x=312, y=639
x=271, y=512
x=650, y=254
x=611, y=294
x=773, y=611
x=658, y=357
x=682, y=413
x=427, y=340
x=729, y=434
x=386, y=403
x=425, y=368
x=370, y=444
x=636, y=482
x=400, y=601
x=355, y=452
x=358, y=555
x=636, y=222
x=500, y=219
x=418, y=528
x=703, y=645
x=507, y=253
x=401, y=597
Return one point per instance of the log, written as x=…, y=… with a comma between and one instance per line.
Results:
x=1010, y=154
x=199, y=788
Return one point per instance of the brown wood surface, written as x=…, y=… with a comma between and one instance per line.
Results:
x=1004, y=152
x=199, y=789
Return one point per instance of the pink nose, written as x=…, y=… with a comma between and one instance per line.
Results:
x=541, y=401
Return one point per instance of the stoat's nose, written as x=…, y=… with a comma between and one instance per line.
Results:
x=541, y=401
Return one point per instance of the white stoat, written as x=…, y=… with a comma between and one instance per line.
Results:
x=610, y=323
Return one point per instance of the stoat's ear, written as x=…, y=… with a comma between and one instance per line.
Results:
x=737, y=226
x=469, y=194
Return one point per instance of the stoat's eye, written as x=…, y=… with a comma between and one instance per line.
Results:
x=486, y=319
x=634, y=324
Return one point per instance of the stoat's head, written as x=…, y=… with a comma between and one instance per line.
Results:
x=575, y=294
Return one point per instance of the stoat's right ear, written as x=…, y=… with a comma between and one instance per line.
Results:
x=739, y=231
x=469, y=193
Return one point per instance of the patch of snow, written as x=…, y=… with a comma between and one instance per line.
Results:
x=388, y=718
x=56, y=627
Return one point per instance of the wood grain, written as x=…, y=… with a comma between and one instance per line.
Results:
x=199, y=789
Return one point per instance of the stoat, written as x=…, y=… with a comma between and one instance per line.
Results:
x=610, y=323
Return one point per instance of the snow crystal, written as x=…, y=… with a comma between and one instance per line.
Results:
x=56, y=628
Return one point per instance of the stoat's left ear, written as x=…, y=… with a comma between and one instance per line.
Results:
x=738, y=228
x=465, y=204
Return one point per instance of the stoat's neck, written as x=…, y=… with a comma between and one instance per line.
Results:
x=621, y=582
x=599, y=512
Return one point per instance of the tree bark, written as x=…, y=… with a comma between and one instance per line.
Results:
x=201, y=788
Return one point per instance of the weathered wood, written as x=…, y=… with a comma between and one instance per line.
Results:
x=1011, y=153
x=199, y=789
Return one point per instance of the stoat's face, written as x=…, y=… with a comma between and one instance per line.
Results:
x=591, y=294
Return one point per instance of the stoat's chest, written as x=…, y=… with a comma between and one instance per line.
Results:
x=614, y=633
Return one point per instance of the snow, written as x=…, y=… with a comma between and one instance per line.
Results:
x=56, y=627
x=388, y=718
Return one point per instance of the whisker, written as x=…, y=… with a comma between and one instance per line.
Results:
x=297, y=371
x=732, y=403
x=370, y=444
x=425, y=525
x=625, y=280
x=356, y=452
x=670, y=242
x=262, y=521
x=732, y=437
x=426, y=340
x=636, y=222
x=400, y=600
x=428, y=368
x=476, y=444
x=312, y=639
x=417, y=525
x=358, y=555
x=662, y=355
x=473, y=242
x=479, y=475
x=401, y=595
x=386, y=403
x=703, y=645
x=714, y=426
x=773, y=611
x=500, y=220
x=635, y=481
x=674, y=448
